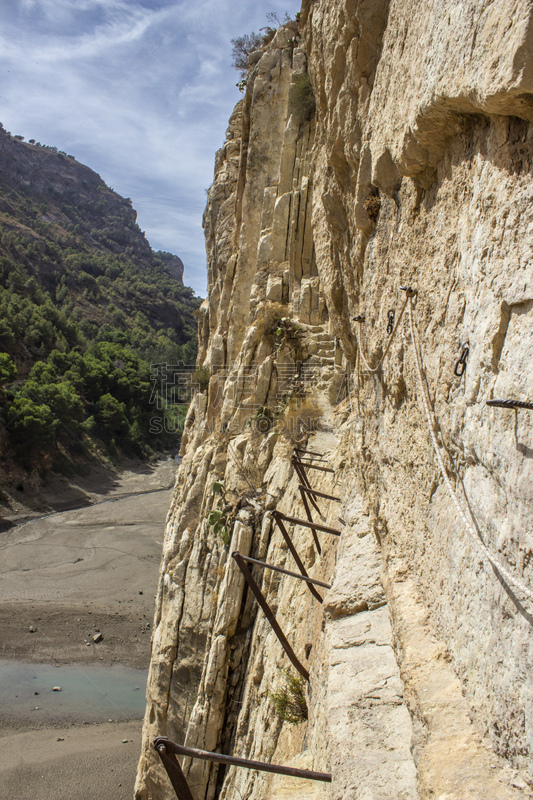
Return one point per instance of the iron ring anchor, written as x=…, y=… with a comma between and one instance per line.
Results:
x=460, y=364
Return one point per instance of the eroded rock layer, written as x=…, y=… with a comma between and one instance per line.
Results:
x=414, y=171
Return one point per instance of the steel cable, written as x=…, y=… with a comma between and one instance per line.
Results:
x=380, y=362
x=430, y=424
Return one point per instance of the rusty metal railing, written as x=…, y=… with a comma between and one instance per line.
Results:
x=310, y=453
x=304, y=492
x=165, y=749
x=168, y=749
x=300, y=471
x=259, y=596
x=303, y=495
x=319, y=494
x=308, y=465
x=307, y=524
x=283, y=571
x=278, y=517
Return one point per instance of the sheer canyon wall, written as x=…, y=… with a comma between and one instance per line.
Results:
x=413, y=170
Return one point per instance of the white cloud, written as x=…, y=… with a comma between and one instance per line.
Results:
x=139, y=90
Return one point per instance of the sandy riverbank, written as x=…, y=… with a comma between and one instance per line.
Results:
x=87, y=762
x=63, y=578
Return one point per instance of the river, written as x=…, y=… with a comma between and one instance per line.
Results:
x=76, y=605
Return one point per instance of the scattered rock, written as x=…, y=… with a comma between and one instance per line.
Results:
x=56, y=688
x=125, y=741
x=97, y=637
x=60, y=739
x=32, y=629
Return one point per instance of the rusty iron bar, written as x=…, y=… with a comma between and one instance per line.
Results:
x=173, y=768
x=307, y=465
x=262, y=766
x=310, y=518
x=308, y=524
x=292, y=548
x=284, y=571
x=320, y=494
x=510, y=404
x=307, y=459
x=298, y=466
x=306, y=504
x=309, y=452
x=270, y=616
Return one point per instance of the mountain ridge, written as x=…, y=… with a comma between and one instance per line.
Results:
x=81, y=290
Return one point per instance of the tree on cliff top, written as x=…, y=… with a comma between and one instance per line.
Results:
x=244, y=45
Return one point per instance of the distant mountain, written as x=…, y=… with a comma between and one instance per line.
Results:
x=85, y=306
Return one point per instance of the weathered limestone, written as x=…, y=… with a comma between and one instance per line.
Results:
x=416, y=101
x=416, y=171
x=369, y=726
x=259, y=246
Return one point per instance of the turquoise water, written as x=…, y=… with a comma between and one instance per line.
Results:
x=88, y=694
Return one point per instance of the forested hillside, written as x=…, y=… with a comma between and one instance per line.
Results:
x=85, y=307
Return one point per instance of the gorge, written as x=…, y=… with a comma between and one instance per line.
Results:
x=370, y=289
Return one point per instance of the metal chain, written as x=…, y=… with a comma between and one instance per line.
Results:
x=469, y=526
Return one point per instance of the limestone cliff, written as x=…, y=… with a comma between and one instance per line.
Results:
x=415, y=172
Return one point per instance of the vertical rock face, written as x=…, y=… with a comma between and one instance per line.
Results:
x=423, y=159
x=415, y=171
x=265, y=316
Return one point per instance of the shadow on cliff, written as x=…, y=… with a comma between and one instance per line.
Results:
x=504, y=584
x=504, y=143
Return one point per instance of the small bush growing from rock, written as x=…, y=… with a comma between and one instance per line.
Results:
x=218, y=518
x=302, y=99
x=300, y=417
x=201, y=377
x=289, y=700
x=286, y=332
x=267, y=318
x=264, y=419
x=372, y=205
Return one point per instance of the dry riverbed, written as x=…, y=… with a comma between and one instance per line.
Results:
x=67, y=580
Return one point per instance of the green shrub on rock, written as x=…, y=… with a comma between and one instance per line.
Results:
x=302, y=98
x=289, y=700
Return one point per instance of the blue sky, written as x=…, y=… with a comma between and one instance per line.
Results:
x=138, y=90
